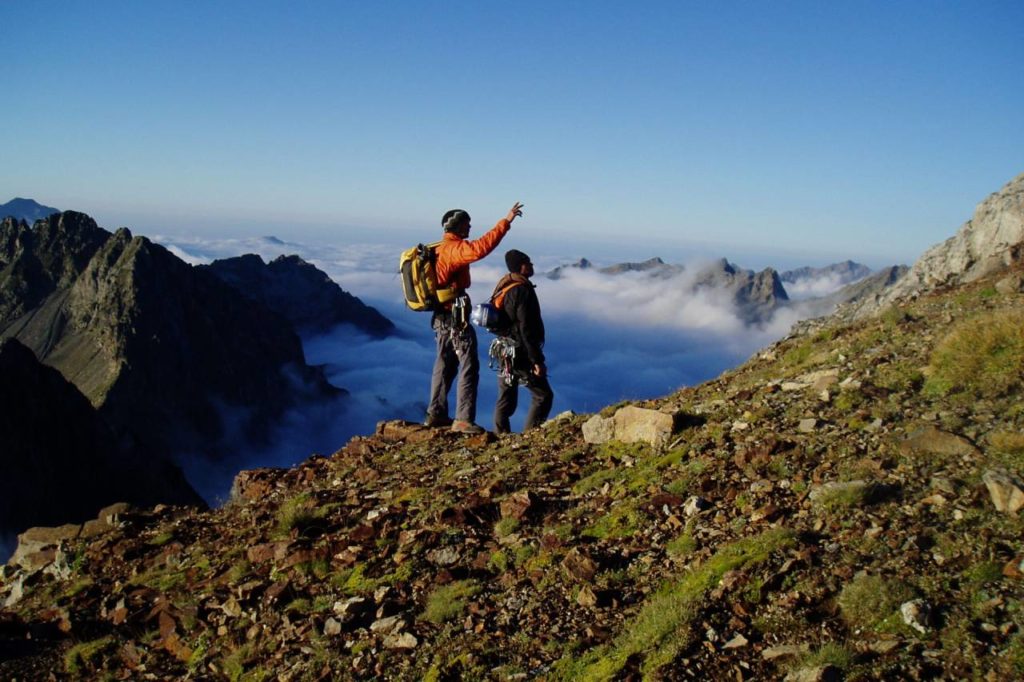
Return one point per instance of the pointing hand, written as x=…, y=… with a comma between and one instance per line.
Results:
x=514, y=212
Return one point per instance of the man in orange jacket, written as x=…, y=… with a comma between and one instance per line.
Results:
x=456, y=339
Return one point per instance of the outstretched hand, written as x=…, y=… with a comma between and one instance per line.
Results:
x=514, y=212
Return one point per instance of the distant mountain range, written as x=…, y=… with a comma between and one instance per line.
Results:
x=28, y=210
x=756, y=295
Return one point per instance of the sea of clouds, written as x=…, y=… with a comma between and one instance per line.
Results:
x=609, y=338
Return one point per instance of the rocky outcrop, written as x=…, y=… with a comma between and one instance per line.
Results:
x=561, y=270
x=653, y=266
x=156, y=345
x=28, y=210
x=60, y=461
x=990, y=241
x=300, y=292
x=843, y=273
x=756, y=295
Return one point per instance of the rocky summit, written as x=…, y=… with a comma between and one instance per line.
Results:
x=844, y=505
x=301, y=293
x=154, y=344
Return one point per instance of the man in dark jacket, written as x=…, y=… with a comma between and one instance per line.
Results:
x=515, y=295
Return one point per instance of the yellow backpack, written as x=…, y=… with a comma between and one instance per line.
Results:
x=418, y=267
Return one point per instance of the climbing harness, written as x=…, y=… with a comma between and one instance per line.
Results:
x=501, y=358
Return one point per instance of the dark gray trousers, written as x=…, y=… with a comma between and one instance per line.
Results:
x=508, y=400
x=456, y=355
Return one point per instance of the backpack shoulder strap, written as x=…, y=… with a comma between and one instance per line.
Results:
x=499, y=297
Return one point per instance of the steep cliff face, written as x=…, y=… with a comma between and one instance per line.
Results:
x=991, y=240
x=300, y=292
x=60, y=462
x=153, y=343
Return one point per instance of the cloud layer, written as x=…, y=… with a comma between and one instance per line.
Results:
x=610, y=338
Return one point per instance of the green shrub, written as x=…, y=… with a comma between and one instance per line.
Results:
x=982, y=356
x=83, y=653
x=449, y=601
x=868, y=601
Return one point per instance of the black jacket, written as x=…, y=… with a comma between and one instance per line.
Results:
x=523, y=309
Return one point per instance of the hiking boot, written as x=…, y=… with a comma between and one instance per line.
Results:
x=469, y=428
x=435, y=420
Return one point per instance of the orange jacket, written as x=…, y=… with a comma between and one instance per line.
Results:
x=454, y=254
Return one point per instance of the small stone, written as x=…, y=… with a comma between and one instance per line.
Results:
x=1006, y=490
x=695, y=505
x=736, y=642
x=740, y=425
x=586, y=597
x=825, y=673
x=404, y=641
x=445, y=556
x=932, y=441
x=807, y=425
x=1014, y=568
x=916, y=614
x=332, y=628
x=883, y=646
x=516, y=505
x=598, y=429
x=388, y=625
x=637, y=424
x=785, y=651
x=579, y=566
x=352, y=607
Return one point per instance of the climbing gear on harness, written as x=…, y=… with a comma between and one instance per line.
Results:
x=501, y=358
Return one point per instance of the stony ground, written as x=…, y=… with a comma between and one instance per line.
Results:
x=822, y=512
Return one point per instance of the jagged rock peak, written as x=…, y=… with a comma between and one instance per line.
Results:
x=991, y=240
x=845, y=272
x=300, y=292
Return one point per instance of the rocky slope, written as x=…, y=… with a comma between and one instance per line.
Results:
x=991, y=240
x=60, y=462
x=301, y=293
x=827, y=510
x=156, y=345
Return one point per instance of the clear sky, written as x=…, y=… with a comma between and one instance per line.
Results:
x=860, y=129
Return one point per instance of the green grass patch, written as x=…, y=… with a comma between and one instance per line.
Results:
x=664, y=625
x=980, y=357
x=161, y=539
x=622, y=522
x=449, y=601
x=830, y=653
x=682, y=546
x=871, y=602
x=82, y=654
x=506, y=527
x=299, y=513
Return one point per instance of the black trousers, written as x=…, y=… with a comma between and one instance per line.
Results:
x=508, y=400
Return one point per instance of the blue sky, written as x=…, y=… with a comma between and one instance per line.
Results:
x=817, y=130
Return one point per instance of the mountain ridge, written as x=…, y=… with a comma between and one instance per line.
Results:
x=845, y=504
